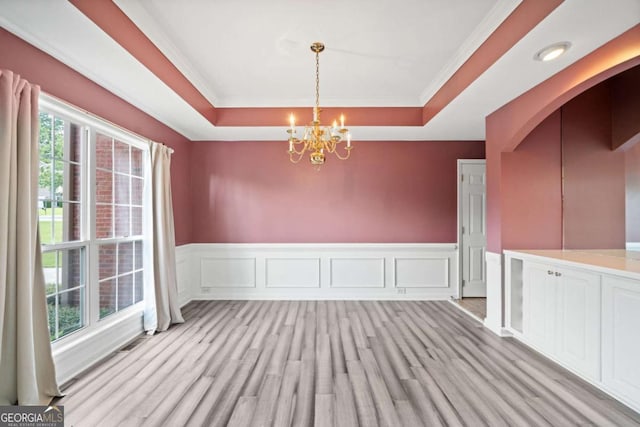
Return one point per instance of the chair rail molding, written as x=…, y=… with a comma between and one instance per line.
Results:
x=307, y=271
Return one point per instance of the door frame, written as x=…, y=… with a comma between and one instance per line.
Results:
x=459, y=215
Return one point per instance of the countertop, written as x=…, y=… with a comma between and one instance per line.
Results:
x=612, y=261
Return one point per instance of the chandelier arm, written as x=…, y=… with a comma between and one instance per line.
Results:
x=345, y=157
x=301, y=151
x=308, y=144
x=331, y=146
x=300, y=156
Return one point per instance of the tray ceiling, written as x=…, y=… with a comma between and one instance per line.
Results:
x=191, y=63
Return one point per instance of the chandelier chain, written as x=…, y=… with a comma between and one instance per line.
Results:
x=318, y=85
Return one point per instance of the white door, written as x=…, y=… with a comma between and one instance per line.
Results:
x=472, y=219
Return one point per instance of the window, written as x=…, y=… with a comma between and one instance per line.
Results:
x=91, y=204
x=119, y=197
x=61, y=202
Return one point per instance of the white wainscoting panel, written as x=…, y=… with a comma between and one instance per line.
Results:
x=292, y=272
x=357, y=272
x=228, y=272
x=495, y=306
x=183, y=275
x=319, y=271
x=422, y=272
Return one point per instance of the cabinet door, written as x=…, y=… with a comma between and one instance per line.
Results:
x=539, y=306
x=621, y=337
x=578, y=321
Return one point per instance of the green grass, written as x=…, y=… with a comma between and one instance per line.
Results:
x=47, y=212
x=49, y=258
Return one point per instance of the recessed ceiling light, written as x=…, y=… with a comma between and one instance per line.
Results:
x=550, y=53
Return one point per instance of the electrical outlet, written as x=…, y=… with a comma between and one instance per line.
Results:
x=402, y=290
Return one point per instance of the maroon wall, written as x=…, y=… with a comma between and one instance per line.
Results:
x=249, y=192
x=510, y=124
x=578, y=138
x=625, y=122
x=57, y=79
x=531, y=184
x=593, y=188
x=625, y=117
x=594, y=184
x=632, y=165
x=386, y=192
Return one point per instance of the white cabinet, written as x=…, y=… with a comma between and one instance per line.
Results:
x=621, y=337
x=539, y=309
x=561, y=310
x=578, y=321
x=582, y=309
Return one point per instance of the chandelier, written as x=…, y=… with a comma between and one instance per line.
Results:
x=316, y=139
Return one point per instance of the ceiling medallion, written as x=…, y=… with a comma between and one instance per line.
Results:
x=317, y=139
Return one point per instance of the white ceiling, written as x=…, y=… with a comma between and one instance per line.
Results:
x=379, y=53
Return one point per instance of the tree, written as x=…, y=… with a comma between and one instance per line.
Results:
x=51, y=149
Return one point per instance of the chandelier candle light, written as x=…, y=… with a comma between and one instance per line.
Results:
x=316, y=138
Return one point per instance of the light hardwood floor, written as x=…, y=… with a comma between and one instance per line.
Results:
x=326, y=363
x=476, y=306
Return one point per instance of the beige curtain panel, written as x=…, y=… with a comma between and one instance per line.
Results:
x=161, y=293
x=27, y=372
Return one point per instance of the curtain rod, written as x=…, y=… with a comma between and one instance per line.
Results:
x=48, y=98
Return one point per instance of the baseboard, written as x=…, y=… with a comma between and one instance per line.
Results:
x=633, y=246
x=502, y=332
x=81, y=351
x=306, y=296
x=317, y=271
x=595, y=383
x=467, y=312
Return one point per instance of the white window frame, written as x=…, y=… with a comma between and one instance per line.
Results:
x=92, y=125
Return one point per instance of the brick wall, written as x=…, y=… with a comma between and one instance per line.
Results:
x=117, y=194
x=75, y=187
